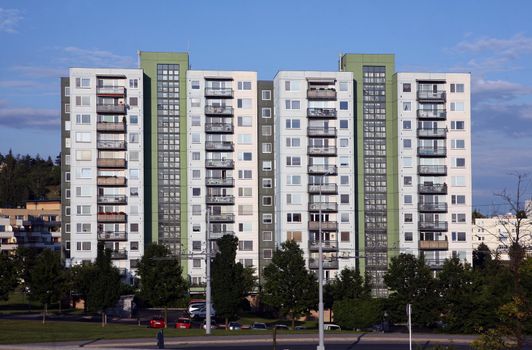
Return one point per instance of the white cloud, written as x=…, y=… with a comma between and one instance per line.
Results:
x=511, y=47
x=96, y=57
x=28, y=117
x=9, y=19
x=484, y=89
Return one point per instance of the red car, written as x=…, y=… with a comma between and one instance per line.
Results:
x=183, y=323
x=157, y=322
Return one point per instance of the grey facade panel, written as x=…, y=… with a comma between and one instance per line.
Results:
x=65, y=168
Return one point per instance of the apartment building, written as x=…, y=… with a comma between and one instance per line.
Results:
x=102, y=165
x=434, y=143
x=498, y=233
x=222, y=166
x=314, y=160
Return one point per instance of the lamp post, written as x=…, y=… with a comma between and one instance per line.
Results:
x=321, y=345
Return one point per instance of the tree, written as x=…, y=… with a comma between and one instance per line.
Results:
x=349, y=284
x=161, y=281
x=357, y=313
x=230, y=282
x=8, y=276
x=481, y=256
x=288, y=284
x=411, y=282
x=47, y=279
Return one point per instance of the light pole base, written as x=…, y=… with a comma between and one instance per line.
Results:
x=320, y=347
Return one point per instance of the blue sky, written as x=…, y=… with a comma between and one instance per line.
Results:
x=490, y=39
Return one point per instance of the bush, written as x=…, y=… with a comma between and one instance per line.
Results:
x=357, y=313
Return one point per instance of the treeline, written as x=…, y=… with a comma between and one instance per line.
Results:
x=23, y=177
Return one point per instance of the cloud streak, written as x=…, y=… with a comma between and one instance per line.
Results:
x=510, y=48
x=28, y=117
x=9, y=20
x=96, y=58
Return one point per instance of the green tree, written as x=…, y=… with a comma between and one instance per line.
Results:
x=81, y=281
x=47, y=279
x=481, y=256
x=353, y=313
x=349, y=284
x=8, y=276
x=288, y=285
x=411, y=282
x=161, y=281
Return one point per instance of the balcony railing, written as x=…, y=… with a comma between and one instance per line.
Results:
x=321, y=132
x=432, y=189
x=110, y=90
x=112, y=236
x=437, y=114
x=321, y=151
x=219, y=128
x=219, y=182
x=321, y=94
x=219, y=234
x=112, y=217
x=321, y=112
x=324, y=206
x=432, y=132
x=219, y=110
x=439, y=95
x=433, y=245
x=328, y=264
x=224, y=146
x=112, y=109
x=434, y=264
x=431, y=151
x=327, y=245
x=112, y=199
x=220, y=200
x=112, y=181
x=322, y=169
x=111, y=163
x=325, y=226
x=433, y=225
x=432, y=169
x=119, y=254
x=432, y=207
x=324, y=189
x=111, y=144
x=111, y=127
x=219, y=164
x=223, y=92
x=228, y=218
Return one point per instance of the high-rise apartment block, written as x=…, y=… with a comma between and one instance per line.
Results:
x=379, y=162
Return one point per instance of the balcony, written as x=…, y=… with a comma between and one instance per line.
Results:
x=321, y=94
x=434, y=133
x=112, y=217
x=437, y=96
x=432, y=189
x=219, y=128
x=321, y=113
x=112, y=236
x=111, y=90
x=433, y=245
x=113, y=199
x=120, y=254
x=323, y=206
x=112, y=181
x=111, y=109
x=328, y=264
x=434, y=264
x=220, y=200
x=219, y=234
x=321, y=151
x=324, y=189
x=433, y=225
x=321, y=132
x=325, y=226
x=432, y=207
x=432, y=170
x=222, y=218
x=219, y=146
x=219, y=182
x=111, y=145
x=327, y=246
x=321, y=169
x=432, y=114
x=431, y=151
x=219, y=164
x=219, y=110
x=111, y=127
x=116, y=163
x=219, y=93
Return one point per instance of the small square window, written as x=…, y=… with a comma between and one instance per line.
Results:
x=408, y=217
x=408, y=199
x=407, y=87
x=344, y=105
x=407, y=180
x=344, y=124
x=407, y=143
x=266, y=95
x=344, y=198
x=195, y=84
x=196, y=192
x=409, y=237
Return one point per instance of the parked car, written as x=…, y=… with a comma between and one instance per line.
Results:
x=281, y=327
x=332, y=327
x=213, y=324
x=157, y=322
x=259, y=326
x=202, y=313
x=235, y=326
x=193, y=307
x=183, y=323
x=300, y=328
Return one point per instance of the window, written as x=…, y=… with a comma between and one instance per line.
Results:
x=344, y=161
x=245, y=245
x=344, y=142
x=344, y=124
x=83, y=83
x=134, y=246
x=293, y=198
x=344, y=217
x=407, y=181
x=134, y=174
x=83, y=228
x=293, y=236
x=83, y=210
x=83, y=119
x=267, y=201
x=67, y=176
x=67, y=193
x=84, y=173
x=134, y=191
x=245, y=121
x=245, y=174
x=134, y=137
x=409, y=237
x=196, y=174
x=134, y=119
x=344, y=180
x=457, y=106
x=458, y=181
x=134, y=227
x=195, y=84
x=293, y=180
x=267, y=253
x=134, y=101
x=246, y=262
x=458, y=199
x=457, y=125
x=83, y=245
x=245, y=209
x=245, y=227
x=195, y=102
x=291, y=85
x=344, y=198
x=344, y=86
x=344, y=105
x=408, y=217
x=83, y=101
x=196, y=228
x=293, y=142
x=407, y=125
x=133, y=83
x=245, y=139
x=266, y=130
x=83, y=191
x=267, y=165
x=267, y=148
x=292, y=104
x=67, y=211
x=293, y=217
x=407, y=143
x=68, y=125
x=196, y=245
x=293, y=161
x=345, y=236
x=84, y=155
x=407, y=106
x=266, y=112
x=196, y=263
x=458, y=236
x=460, y=218
x=245, y=156
x=67, y=91
x=407, y=199
x=134, y=156
x=457, y=87
x=196, y=156
x=195, y=120
x=245, y=191
x=267, y=235
x=266, y=95
x=407, y=162
x=459, y=162
x=293, y=123
x=196, y=209
x=67, y=108
x=267, y=218
x=244, y=85
x=457, y=144
x=67, y=159
x=196, y=191
x=243, y=103
x=267, y=183
x=407, y=87
x=196, y=137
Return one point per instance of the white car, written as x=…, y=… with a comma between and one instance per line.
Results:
x=202, y=313
x=332, y=327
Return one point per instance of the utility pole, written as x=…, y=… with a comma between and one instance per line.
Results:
x=208, y=273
